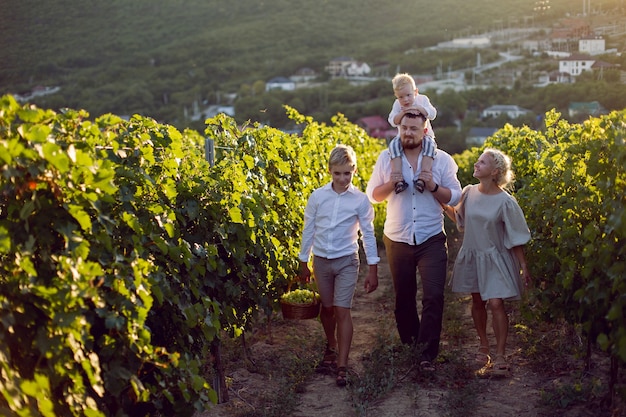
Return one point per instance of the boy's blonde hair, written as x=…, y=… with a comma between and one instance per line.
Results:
x=341, y=155
x=400, y=80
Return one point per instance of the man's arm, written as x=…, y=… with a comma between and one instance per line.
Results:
x=308, y=235
x=378, y=188
x=441, y=193
x=449, y=191
x=381, y=192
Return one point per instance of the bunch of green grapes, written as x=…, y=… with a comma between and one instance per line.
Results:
x=300, y=296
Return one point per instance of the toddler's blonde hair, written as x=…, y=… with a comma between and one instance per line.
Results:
x=400, y=80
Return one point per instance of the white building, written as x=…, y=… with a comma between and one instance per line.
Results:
x=38, y=91
x=347, y=67
x=280, y=83
x=510, y=110
x=303, y=75
x=464, y=43
x=575, y=64
x=592, y=45
x=358, y=69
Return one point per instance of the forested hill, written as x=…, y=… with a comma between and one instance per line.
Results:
x=155, y=56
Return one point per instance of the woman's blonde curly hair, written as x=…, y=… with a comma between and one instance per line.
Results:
x=505, y=176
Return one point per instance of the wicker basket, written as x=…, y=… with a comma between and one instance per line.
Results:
x=300, y=311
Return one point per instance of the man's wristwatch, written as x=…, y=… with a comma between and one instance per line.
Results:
x=434, y=190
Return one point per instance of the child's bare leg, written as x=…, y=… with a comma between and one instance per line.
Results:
x=427, y=166
x=344, y=334
x=344, y=339
x=329, y=324
x=396, y=172
x=427, y=163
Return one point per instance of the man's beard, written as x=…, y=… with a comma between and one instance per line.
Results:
x=411, y=144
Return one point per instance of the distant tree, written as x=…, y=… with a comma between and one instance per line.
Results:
x=451, y=139
x=137, y=99
x=245, y=90
x=258, y=87
x=451, y=106
x=378, y=89
x=337, y=107
x=612, y=76
x=379, y=107
x=274, y=111
x=247, y=108
x=529, y=120
x=585, y=76
x=341, y=90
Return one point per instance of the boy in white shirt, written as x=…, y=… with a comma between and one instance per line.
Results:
x=333, y=216
x=408, y=98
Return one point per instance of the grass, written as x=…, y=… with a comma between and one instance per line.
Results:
x=576, y=380
x=581, y=390
x=280, y=368
x=383, y=367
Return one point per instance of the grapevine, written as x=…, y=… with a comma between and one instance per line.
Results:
x=570, y=184
x=125, y=256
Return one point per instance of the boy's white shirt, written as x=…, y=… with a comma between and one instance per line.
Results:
x=332, y=222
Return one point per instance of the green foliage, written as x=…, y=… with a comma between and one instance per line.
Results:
x=380, y=375
x=123, y=253
x=563, y=395
x=584, y=229
x=155, y=57
x=92, y=260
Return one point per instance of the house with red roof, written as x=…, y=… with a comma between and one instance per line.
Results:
x=377, y=127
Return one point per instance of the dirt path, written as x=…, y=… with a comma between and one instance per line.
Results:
x=446, y=393
x=514, y=396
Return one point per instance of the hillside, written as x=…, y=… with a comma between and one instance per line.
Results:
x=154, y=56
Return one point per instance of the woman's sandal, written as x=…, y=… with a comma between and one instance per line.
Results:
x=500, y=366
x=341, y=376
x=482, y=355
